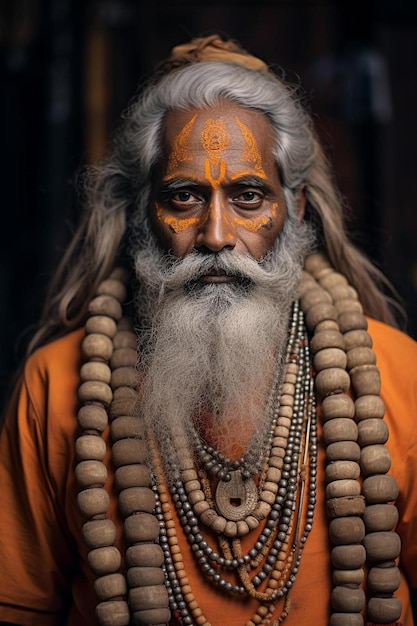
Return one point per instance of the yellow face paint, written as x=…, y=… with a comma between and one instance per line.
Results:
x=252, y=153
x=215, y=139
x=253, y=225
x=215, y=182
x=176, y=224
x=181, y=150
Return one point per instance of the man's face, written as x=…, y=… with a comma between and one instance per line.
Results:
x=218, y=186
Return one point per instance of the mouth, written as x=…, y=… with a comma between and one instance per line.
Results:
x=220, y=276
x=216, y=276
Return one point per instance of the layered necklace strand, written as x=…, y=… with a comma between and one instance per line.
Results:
x=361, y=516
x=361, y=512
x=289, y=521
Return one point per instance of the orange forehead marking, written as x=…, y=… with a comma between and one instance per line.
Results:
x=214, y=181
x=215, y=139
x=180, y=150
x=252, y=153
x=176, y=224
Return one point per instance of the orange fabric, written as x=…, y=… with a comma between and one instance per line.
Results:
x=44, y=573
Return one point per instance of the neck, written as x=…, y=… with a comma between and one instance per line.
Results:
x=232, y=437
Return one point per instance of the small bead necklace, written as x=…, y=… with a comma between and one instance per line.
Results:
x=283, y=537
x=354, y=433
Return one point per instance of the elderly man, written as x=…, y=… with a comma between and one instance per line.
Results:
x=200, y=435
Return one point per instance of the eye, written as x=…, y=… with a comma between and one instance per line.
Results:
x=183, y=200
x=182, y=196
x=250, y=196
x=249, y=199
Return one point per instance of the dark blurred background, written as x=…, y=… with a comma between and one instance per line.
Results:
x=68, y=68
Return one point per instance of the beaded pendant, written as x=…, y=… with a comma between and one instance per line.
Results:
x=361, y=517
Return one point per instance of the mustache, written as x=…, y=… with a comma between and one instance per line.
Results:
x=187, y=272
x=161, y=275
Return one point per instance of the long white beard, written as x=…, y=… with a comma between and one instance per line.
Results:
x=214, y=349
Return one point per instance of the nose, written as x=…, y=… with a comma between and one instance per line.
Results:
x=217, y=230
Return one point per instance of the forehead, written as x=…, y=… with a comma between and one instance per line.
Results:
x=225, y=126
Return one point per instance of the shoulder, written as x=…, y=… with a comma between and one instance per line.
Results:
x=59, y=354
x=385, y=332
x=63, y=349
x=51, y=374
x=396, y=359
x=396, y=351
x=396, y=354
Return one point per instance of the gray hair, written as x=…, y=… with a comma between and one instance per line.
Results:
x=118, y=191
x=201, y=86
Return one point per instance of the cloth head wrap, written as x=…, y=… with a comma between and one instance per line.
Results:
x=212, y=48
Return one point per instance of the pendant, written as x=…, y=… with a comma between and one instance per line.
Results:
x=237, y=498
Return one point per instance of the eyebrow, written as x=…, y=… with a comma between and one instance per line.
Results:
x=173, y=184
x=240, y=180
x=249, y=180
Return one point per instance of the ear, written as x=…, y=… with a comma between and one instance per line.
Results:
x=300, y=205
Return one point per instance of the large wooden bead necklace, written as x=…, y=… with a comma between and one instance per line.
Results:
x=361, y=516
x=214, y=492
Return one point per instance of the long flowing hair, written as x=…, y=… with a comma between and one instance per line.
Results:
x=117, y=192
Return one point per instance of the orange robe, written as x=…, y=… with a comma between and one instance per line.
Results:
x=44, y=573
